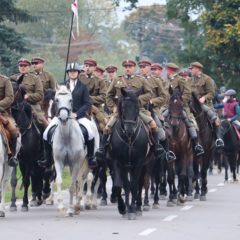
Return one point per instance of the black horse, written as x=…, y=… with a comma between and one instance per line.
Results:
x=129, y=148
x=31, y=149
x=231, y=149
x=202, y=164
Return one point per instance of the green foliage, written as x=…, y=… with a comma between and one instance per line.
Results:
x=157, y=39
x=12, y=44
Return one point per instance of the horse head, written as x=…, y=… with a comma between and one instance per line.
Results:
x=175, y=108
x=63, y=103
x=128, y=109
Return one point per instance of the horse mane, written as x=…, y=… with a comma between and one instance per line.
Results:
x=176, y=95
x=195, y=104
x=63, y=90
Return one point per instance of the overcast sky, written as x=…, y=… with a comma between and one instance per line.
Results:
x=121, y=14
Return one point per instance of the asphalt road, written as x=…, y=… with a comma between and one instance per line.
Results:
x=217, y=218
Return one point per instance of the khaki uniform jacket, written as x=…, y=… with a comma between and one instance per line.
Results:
x=97, y=89
x=6, y=94
x=177, y=81
x=47, y=80
x=202, y=86
x=134, y=82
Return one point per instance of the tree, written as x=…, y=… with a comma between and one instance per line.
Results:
x=12, y=44
x=157, y=38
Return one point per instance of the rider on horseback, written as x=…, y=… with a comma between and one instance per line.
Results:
x=6, y=99
x=157, y=101
x=81, y=108
x=131, y=81
x=203, y=86
x=232, y=108
x=175, y=81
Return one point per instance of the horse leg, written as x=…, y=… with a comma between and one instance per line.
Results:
x=226, y=167
x=59, y=168
x=204, y=183
x=157, y=183
x=126, y=186
x=170, y=180
x=26, y=184
x=189, y=183
x=196, y=179
x=88, y=205
x=152, y=187
x=13, y=206
x=103, y=178
x=139, y=194
x=146, y=206
x=34, y=181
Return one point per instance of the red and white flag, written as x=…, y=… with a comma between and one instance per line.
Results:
x=74, y=8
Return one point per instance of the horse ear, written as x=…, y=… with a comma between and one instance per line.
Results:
x=123, y=91
x=170, y=90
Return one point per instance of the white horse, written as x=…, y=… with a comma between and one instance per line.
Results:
x=68, y=149
x=5, y=171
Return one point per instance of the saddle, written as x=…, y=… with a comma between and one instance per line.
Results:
x=236, y=130
x=5, y=132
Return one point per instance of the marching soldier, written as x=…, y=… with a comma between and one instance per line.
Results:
x=203, y=86
x=34, y=91
x=6, y=99
x=158, y=100
x=135, y=82
x=97, y=90
x=175, y=81
x=48, y=82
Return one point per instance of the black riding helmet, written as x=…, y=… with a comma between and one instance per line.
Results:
x=74, y=66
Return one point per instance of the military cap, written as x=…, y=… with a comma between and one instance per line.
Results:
x=24, y=61
x=99, y=69
x=90, y=62
x=172, y=66
x=156, y=66
x=128, y=63
x=38, y=60
x=111, y=68
x=144, y=63
x=196, y=64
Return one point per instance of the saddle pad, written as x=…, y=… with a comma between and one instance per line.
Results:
x=236, y=131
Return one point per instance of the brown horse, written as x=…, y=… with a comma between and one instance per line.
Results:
x=180, y=144
x=201, y=164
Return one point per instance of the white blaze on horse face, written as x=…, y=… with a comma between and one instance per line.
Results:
x=175, y=100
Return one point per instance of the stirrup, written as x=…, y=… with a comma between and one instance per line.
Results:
x=12, y=161
x=198, y=149
x=170, y=156
x=219, y=143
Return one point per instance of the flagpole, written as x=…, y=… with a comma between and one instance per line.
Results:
x=68, y=50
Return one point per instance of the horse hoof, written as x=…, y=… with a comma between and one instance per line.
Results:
x=13, y=208
x=139, y=213
x=103, y=203
x=61, y=210
x=162, y=197
x=122, y=210
x=33, y=203
x=170, y=204
x=113, y=200
x=69, y=213
x=24, y=209
x=189, y=198
x=181, y=198
x=155, y=206
x=196, y=196
x=203, y=198
x=2, y=214
x=94, y=207
x=39, y=202
x=46, y=196
x=146, y=208
x=132, y=216
x=49, y=202
x=77, y=210
x=88, y=207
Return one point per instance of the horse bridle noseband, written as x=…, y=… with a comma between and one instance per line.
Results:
x=64, y=108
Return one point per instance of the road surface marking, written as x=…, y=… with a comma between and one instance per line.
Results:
x=212, y=190
x=169, y=218
x=186, y=208
x=220, y=185
x=148, y=231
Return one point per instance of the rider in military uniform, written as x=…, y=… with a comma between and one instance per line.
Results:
x=34, y=91
x=6, y=99
x=131, y=81
x=99, y=72
x=111, y=74
x=158, y=100
x=176, y=81
x=97, y=90
x=203, y=86
x=48, y=82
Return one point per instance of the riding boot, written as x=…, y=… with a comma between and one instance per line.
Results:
x=100, y=154
x=48, y=157
x=170, y=156
x=219, y=141
x=92, y=163
x=198, y=149
x=12, y=160
x=158, y=148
